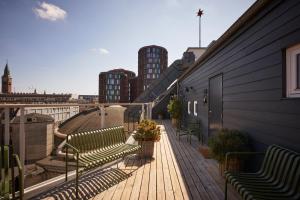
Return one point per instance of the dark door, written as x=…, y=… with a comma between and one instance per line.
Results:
x=215, y=112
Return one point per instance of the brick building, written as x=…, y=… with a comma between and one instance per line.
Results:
x=117, y=86
x=152, y=61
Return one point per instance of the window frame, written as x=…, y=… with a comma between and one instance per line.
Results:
x=292, y=90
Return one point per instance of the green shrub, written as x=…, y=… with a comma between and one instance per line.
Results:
x=175, y=108
x=227, y=141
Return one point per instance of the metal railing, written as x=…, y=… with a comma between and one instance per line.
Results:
x=6, y=111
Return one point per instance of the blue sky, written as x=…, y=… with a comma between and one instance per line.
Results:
x=63, y=45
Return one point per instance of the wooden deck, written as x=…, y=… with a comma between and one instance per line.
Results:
x=178, y=171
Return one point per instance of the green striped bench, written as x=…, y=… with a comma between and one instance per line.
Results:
x=7, y=160
x=96, y=148
x=278, y=177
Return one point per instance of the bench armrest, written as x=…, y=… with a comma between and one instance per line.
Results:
x=72, y=147
x=231, y=154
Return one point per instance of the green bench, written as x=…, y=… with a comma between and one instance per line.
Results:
x=278, y=177
x=7, y=161
x=96, y=148
x=192, y=128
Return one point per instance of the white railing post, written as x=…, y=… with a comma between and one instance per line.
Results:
x=143, y=112
x=6, y=126
x=22, y=137
x=150, y=110
x=102, y=112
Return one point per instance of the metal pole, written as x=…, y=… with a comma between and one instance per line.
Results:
x=6, y=126
x=102, y=111
x=199, y=31
x=143, y=112
x=22, y=141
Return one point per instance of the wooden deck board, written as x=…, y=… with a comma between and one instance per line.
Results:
x=177, y=171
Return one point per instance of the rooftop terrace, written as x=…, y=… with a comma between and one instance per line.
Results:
x=177, y=171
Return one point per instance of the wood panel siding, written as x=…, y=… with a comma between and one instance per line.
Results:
x=253, y=78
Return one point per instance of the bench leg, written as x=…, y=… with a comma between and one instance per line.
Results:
x=66, y=178
x=225, y=194
x=77, y=178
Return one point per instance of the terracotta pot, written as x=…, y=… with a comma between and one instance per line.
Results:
x=174, y=122
x=147, y=149
x=205, y=151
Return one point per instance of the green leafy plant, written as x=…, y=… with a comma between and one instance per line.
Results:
x=175, y=108
x=147, y=130
x=227, y=141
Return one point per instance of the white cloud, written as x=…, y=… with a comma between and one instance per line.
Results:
x=100, y=51
x=50, y=12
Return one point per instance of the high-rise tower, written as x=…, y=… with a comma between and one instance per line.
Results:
x=152, y=61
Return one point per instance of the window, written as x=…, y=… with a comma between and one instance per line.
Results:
x=189, y=107
x=195, y=108
x=148, y=75
x=293, y=71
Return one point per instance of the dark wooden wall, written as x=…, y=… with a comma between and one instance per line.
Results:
x=252, y=64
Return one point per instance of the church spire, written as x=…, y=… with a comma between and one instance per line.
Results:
x=6, y=80
x=6, y=69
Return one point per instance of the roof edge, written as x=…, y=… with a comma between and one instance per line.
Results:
x=237, y=25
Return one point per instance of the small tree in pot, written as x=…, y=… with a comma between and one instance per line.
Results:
x=175, y=110
x=147, y=133
x=228, y=141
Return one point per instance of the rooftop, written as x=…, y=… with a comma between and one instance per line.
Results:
x=177, y=171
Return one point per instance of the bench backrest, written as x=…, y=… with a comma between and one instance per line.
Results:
x=98, y=139
x=282, y=166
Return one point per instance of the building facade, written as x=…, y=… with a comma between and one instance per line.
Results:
x=152, y=61
x=116, y=86
x=7, y=96
x=59, y=114
x=249, y=79
x=88, y=98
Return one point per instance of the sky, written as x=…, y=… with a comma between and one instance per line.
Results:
x=61, y=46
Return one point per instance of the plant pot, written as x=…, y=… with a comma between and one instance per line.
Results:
x=147, y=149
x=205, y=151
x=174, y=122
x=234, y=165
x=160, y=116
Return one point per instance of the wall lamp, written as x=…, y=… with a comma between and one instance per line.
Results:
x=187, y=89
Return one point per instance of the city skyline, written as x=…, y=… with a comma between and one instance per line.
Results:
x=62, y=47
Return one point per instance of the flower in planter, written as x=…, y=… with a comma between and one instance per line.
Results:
x=147, y=130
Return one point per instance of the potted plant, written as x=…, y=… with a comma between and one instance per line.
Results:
x=228, y=141
x=147, y=133
x=175, y=110
x=160, y=115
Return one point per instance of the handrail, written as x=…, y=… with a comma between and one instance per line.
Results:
x=70, y=104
